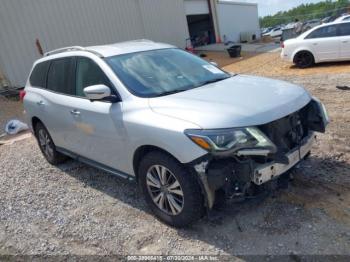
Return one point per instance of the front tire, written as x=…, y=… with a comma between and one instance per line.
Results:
x=47, y=145
x=304, y=59
x=170, y=190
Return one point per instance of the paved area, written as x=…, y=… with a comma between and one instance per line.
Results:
x=255, y=48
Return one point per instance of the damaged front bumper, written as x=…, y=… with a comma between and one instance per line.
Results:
x=267, y=172
x=241, y=172
x=234, y=177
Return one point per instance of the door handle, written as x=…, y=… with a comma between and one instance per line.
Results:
x=345, y=41
x=315, y=44
x=40, y=103
x=75, y=112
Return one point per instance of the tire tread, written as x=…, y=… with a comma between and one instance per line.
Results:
x=58, y=158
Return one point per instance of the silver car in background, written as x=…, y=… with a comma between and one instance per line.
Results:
x=187, y=132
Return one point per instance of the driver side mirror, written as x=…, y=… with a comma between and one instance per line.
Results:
x=99, y=92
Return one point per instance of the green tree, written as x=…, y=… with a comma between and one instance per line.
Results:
x=306, y=12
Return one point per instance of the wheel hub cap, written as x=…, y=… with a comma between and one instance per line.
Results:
x=45, y=143
x=165, y=190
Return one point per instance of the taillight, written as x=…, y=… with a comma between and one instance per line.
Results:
x=22, y=94
x=282, y=44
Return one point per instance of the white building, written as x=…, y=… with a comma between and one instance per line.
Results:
x=232, y=20
x=59, y=23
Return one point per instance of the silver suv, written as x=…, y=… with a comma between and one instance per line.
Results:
x=187, y=132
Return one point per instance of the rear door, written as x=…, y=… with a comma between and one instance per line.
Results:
x=59, y=89
x=344, y=37
x=324, y=43
x=34, y=100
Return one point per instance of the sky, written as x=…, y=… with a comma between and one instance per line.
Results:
x=270, y=7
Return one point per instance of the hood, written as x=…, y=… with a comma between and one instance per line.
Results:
x=235, y=102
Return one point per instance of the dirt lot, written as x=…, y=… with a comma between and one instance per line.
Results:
x=270, y=65
x=9, y=109
x=75, y=209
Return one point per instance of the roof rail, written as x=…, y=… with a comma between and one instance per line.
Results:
x=142, y=40
x=134, y=41
x=71, y=48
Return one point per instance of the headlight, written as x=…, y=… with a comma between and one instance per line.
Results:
x=223, y=140
x=323, y=110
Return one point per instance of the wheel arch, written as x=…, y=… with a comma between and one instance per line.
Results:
x=141, y=151
x=303, y=50
x=34, y=121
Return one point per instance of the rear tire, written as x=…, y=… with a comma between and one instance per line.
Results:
x=47, y=145
x=170, y=190
x=304, y=59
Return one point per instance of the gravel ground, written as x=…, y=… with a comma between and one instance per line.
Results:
x=76, y=209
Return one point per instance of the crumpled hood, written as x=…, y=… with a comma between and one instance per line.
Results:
x=235, y=102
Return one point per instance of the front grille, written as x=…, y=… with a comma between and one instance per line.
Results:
x=286, y=133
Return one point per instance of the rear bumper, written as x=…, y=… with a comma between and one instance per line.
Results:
x=286, y=57
x=270, y=171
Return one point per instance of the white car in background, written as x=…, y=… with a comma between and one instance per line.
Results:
x=289, y=26
x=275, y=32
x=324, y=43
x=343, y=18
x=311, y=24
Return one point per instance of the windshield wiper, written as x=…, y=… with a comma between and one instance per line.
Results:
x=172, y=92
x=213, y=81
x=185, y=89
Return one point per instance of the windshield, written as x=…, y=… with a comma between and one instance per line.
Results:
x=162, y=72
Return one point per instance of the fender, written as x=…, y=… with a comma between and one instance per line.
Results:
x=304, y=48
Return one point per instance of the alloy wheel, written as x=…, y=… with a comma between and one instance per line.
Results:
x=165, y=189
x=45, y=143
x=304, y=59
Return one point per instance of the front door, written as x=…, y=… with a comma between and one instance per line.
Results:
x=58, y=94
x=99, y=134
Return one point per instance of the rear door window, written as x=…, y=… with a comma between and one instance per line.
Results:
x=88, y=73
x=61, y=76
x=344, y=29
x=323, y=32
x=38, y=76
